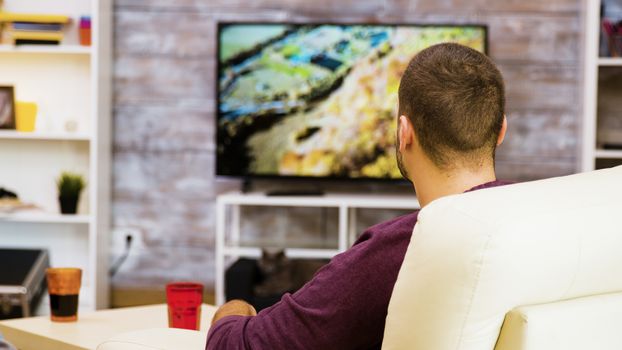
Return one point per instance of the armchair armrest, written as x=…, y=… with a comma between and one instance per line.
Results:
x=156, y=338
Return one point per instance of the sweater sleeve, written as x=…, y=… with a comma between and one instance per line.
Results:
x=343, y=307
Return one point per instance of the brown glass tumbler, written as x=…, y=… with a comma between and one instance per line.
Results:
x=64, y=288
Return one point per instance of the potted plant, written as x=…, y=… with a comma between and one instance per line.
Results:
x=69, y=187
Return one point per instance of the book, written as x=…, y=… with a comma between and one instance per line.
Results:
x=33, y=18
x=36, y=42
x=48, y=27
x=19, y=37
x=30, y=35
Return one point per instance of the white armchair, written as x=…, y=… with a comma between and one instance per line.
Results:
x=157, y=339
x=476, y=257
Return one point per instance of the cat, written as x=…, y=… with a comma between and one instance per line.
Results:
x=280, y=274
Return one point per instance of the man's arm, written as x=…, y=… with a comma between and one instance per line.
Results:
x=344, y=306
x=234, y=308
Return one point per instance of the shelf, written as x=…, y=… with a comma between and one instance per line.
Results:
x=610, y=61
x=36, y=217
x=608, y=153
x=228, y=230
x=43, y=136
x=305, y=243
x=327, y=200
x=47, y=49
x=255, y=253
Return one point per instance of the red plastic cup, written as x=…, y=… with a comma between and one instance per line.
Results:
x=184, y=305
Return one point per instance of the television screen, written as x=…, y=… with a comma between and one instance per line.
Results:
x=316, y=100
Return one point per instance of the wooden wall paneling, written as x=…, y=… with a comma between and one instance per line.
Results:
x=507, y=6
x=548, y=133
x=525, y=169
x=149, y=33
x=361, y=7
x=151, y=267
x=162, y=174
x=161, y=128
x=164, y=186
x=162, y=80
x=541, y=86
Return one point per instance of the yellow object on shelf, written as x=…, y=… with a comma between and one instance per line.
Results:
x=26, y=116
x=32, y=17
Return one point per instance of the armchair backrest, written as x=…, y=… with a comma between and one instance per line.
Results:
x=474, y=257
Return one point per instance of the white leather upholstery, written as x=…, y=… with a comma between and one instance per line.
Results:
x=583, y=323
x=157, y=338
x=474, y=257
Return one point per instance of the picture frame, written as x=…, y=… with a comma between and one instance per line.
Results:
x=7, y=107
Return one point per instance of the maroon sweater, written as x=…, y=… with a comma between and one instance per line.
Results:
x=344, y=306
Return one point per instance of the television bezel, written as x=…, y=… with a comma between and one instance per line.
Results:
x=221, y=24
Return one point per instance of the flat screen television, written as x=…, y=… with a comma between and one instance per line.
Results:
x=316, y=100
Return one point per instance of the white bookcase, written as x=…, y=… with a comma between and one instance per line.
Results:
x=71, y=86
x=229, y=244
x=593, y=64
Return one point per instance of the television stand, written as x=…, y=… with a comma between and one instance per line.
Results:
x=230, y=245
x=292, y=192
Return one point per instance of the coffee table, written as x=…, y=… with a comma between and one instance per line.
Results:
x=92, y=328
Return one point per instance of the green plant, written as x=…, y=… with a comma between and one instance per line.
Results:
x=70, y=184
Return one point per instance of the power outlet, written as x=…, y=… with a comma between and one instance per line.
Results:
x=119, y=239
x=119, y=255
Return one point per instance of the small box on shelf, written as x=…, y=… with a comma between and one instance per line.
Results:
x=25, y=116
x=85, y=31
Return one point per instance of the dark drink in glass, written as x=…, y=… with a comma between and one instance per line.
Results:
x=64, y=289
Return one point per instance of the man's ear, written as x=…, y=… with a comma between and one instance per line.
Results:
x=404, y=132
x=504, y=128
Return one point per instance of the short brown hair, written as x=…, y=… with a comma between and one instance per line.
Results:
x=454, y=97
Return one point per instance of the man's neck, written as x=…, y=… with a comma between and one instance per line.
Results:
x=436, y=184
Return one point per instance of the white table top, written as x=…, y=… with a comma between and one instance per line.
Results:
x=92, y=328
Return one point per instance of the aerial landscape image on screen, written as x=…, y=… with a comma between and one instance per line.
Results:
x=316, y=100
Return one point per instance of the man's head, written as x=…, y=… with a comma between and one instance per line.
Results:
x=451, y=109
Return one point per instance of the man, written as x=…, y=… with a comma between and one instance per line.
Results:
x=451, y=119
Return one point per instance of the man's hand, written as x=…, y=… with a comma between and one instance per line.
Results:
x=234, y=308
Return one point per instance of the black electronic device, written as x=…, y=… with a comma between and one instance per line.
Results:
x=22, y=281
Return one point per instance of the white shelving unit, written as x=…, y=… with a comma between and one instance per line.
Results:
x=591, y=152
x=608, y=154
x=60, y=49
x=71, y=86
x=43, y=136
x=45, y=218
x=609, y=61
x=228, y=243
